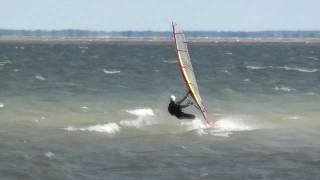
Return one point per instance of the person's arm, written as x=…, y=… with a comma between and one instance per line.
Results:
x=184, y=106
x=184, y=98
x=187, y=105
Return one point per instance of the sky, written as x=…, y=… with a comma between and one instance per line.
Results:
x=156, y=15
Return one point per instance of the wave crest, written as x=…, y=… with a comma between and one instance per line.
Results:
x=111, y=71
x=287, y=68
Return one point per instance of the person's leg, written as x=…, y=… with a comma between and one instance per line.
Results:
x=187, y=116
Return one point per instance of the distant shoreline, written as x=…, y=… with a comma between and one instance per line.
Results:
x=29, y=39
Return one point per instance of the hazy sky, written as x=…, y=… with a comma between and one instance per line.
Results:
x=157, y=14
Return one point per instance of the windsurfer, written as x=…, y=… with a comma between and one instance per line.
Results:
x=175, y=107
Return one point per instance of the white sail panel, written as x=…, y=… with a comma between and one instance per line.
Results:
x=186, y=68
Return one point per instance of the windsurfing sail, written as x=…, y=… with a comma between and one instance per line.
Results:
x=186, y=70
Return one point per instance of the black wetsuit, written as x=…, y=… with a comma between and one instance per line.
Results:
x=175, y=109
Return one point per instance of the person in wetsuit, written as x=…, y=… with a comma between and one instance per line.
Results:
x=175, y=107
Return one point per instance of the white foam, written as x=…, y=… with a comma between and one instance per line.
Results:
x=141, y=112
x=196, y=124
x=170, y=62
x=283, y=88
x=111, y=71
x=231, y=124
x=49, y=154
x=109, y=128
x=1, y=105
x=223, y=127
x=84, y=107
x=287, y=68
x=299, y=69
x=258, y=67
x=143, y=118
x=137, y=123
x=19, y=47
x=39, y=77
x=312, y=58
x=2, y=63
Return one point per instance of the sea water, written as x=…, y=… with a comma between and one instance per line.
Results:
x=95, y=110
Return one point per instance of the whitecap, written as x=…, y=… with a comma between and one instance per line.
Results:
x=144, y=118
x=283, y=88
x=141, y=112
x=111, y=71
x=109, y=128
x=85, y=107
x=39, y=77
x=2, y=63
x=312, y=58
x=299, y=69
x=137, y=123
x=49, y=154
x=258, y=67
x=19, y=47
x=1, y=105
x=170, y=62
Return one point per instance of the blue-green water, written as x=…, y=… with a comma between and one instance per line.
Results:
x=99, y=111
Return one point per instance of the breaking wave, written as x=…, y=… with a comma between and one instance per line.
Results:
x=143, y=118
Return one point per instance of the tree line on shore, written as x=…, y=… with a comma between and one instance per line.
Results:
x=163, y=34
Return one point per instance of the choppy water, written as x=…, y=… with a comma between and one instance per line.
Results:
x=98, y=111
